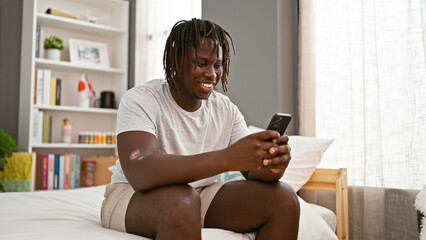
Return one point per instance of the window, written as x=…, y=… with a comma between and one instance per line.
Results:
x=154, y=20
x=363, y=83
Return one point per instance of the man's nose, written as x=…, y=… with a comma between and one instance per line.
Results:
x=210, y=73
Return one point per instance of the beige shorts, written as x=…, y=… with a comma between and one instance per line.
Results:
x=117, y=198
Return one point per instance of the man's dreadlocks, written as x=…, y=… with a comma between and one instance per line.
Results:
x=186, y=35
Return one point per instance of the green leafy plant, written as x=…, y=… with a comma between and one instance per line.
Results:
x=53, y=42
x=7, y=147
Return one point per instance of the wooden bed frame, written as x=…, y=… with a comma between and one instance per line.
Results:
x=333, y=180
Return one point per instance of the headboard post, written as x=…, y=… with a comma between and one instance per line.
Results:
x=334, y=180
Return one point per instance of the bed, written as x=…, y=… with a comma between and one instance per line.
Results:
x=74, y=214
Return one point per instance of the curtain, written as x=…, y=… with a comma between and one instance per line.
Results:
x=363, y=83
x=154, y=20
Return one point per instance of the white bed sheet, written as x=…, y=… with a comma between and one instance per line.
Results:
x=75, y=214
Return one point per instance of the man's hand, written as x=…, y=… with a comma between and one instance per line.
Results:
x=281, y=153
x=273, y=168
x=249, y=152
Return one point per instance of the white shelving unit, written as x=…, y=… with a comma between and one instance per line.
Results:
x=111, y=28
x=77, y=109
x=62, y=65
x=73, y=145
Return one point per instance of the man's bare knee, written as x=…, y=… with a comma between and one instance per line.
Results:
x=165, y=212
x=288, y=198
x=183, y=208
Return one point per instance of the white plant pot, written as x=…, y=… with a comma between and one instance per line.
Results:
x=53, y=54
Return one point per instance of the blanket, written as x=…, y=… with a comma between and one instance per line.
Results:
x=75, y=214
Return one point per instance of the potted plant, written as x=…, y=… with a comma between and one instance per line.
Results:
x=7, y=147
x=53, y=46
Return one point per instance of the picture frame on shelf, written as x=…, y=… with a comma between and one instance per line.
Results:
x=86, y=52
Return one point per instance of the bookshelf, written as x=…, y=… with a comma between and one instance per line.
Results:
x=111, y=27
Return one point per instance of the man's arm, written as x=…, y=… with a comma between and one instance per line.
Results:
x=146, y=168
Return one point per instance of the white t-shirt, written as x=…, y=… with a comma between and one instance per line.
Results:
x=150, y=107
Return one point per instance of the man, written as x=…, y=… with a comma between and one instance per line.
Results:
x=176, y=135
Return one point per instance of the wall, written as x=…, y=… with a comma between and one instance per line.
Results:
x=10, y=52
x=263, y=78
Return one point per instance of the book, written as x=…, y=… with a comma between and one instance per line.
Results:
x=50, y=171
x=58, y=92
x=67, y=166
x=44, y=175
x=50, y=129
x=35, y=87
x=37, y=130
x=41, y=171
x=19, y=173
x=47, y=73
x=39, y=87
x=37, y=44
x=47, y=119
x=61, y=171
x=52, y=91
x=77, y=169
x=72, y=170
x=56, y=173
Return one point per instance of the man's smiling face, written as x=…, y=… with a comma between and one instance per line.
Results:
x=201, y=74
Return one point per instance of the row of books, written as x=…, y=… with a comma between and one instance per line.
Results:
x=25, y=172
x=47, y=89
x=57, y=171
x=42, y=127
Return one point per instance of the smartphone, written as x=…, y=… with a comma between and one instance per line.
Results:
x=279, y=122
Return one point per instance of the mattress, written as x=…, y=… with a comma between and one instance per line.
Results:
x=75, y=214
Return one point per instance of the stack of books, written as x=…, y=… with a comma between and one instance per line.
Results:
x=58, y=171
x=42, y=128
x=47, y=89
x=26, y=172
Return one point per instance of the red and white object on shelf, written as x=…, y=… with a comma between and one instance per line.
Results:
x=86, y=94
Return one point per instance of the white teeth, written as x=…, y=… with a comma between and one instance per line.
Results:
x=208, y=85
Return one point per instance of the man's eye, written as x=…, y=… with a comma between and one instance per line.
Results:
x=201, y=64
x=218, y=65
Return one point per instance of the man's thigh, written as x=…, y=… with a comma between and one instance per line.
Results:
x=113, y=211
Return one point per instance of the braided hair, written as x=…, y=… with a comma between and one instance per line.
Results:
x=186, y=35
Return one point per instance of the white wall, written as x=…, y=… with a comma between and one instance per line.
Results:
x=263, y=78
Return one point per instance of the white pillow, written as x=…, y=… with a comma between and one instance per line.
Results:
x=311, y=225
x=306, y=154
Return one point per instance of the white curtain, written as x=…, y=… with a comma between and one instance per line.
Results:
x=363, y=83
x=154, y=20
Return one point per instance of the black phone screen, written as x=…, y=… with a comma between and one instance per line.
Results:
x=279, y=122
